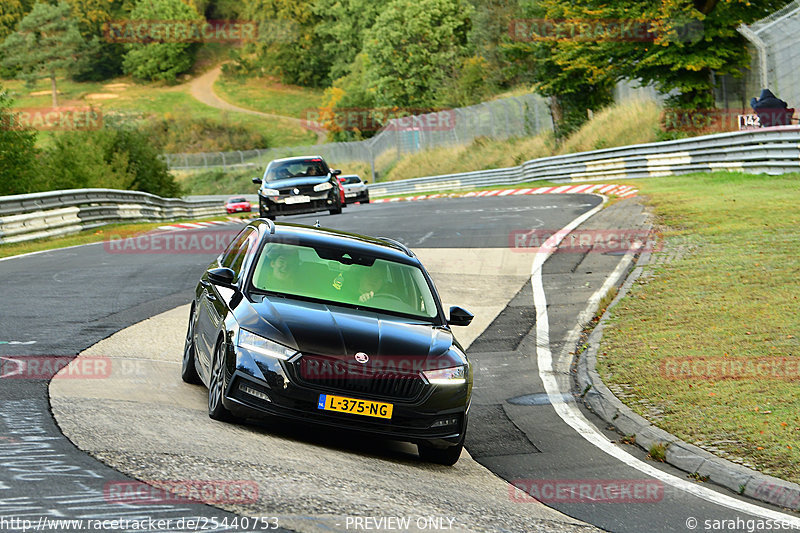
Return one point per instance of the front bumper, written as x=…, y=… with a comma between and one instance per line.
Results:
x=356, y=195
x=264, y=388
x=276, y=205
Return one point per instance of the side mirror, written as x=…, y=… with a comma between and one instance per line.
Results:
x=460, y=316
x=366, y=181
x=221, y=276
x=335, y=172
x=257, y=181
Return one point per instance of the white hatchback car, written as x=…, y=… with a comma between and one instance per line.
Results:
x=355, y=189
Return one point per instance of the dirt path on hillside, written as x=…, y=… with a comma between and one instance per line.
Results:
x=202, y=89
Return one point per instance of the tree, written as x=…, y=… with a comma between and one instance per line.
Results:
x=413, y=47
x=112, y=157
x=46, y=43
x=341, y=29
x=490, y=24
x=690, y=41
x=288, y=44
x=11, y=12
x=100, y=59
x=17, y=153
x=163, y=61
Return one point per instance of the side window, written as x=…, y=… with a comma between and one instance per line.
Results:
x=233, y=248
x=237, y=251
x=236, y=265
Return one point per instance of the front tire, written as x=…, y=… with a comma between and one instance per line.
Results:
x=443, y=456
x=336, y=210
x=216, y=386
x=188, y=368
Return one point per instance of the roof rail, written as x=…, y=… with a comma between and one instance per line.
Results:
x=270, y=224
x=397, y=244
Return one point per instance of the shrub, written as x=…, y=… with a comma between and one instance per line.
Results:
x=185, y=134
x=160, y=61
x=116, y=158
x=17, y=153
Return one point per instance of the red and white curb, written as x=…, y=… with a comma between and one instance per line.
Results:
x=196, y=225
x=621, y=191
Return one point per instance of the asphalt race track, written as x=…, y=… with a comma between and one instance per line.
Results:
x=146, y=424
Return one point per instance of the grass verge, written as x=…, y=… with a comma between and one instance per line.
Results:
x=707, y=347
x=269, y=96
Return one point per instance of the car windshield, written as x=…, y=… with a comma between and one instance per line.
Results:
x=297, y=168
x=350, y=180
x=337, y=276
x=237, y=200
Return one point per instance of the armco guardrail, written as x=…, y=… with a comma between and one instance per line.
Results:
x=770, y=150
x=25, y=217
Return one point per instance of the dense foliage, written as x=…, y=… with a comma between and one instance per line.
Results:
x=160, y=61
x=46, y=43
x=17, y=153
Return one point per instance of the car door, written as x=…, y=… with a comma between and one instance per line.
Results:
x=212, y=306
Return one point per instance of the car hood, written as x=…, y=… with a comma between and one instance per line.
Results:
x=294, y=182
x=341, y=332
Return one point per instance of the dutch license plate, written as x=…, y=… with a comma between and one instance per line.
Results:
x=341, y=404
x=298, y=199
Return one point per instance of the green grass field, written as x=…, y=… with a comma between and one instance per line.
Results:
x=268, y=96
x=732, y=300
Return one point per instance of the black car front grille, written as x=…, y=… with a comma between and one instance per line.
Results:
x=304, y=189
x=325, y=373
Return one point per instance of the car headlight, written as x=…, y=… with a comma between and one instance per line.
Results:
x=258, y=344
x=456, y=375
x=270, y=192
x=323, y=186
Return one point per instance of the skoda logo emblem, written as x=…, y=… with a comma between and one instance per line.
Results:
x=295, y=191
x=361, y=357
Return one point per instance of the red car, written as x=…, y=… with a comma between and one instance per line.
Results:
x=237, y=204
